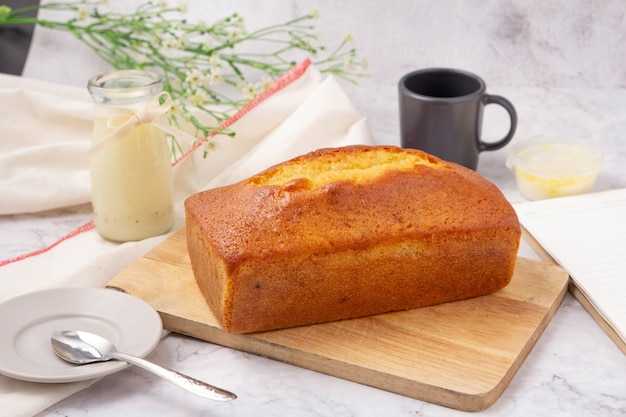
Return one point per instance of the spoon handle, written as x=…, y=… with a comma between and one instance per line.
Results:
x=183, y=381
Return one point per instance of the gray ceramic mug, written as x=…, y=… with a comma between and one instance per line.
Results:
x=441, y=113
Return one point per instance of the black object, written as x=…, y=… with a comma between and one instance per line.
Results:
x=441, y=113
x=15, y=39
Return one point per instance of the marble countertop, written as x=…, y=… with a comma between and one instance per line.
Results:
x=574, y=368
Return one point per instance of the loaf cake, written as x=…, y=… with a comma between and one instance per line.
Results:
x=348, y=232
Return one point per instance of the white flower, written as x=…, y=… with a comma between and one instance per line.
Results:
x=249, y=90
x=162, y=4
x=82, y=13
x=314, y=13
x=348, y=37
x=195, y=78
x=168, y=44
x=182, y=6
x=196, y=98
x=207, y=45
x=241, y=24
x=214, y=61
x=266, y=83
x=215, y=77
x=233, y=33
x=237, y=20
x=348, y=62
x=182, y=42
x=176, y=83
x=201, y=26
x=176, y=109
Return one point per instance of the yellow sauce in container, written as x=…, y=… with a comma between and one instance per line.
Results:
x=547, y=167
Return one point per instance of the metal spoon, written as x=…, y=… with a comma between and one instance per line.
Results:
x=83, y=347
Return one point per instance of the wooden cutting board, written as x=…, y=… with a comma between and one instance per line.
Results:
x=461, y=355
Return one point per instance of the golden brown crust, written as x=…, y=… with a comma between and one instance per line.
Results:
x=270, y=255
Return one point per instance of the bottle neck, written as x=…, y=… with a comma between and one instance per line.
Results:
x=126, y=88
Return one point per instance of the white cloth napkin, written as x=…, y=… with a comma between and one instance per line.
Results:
x=45, y=134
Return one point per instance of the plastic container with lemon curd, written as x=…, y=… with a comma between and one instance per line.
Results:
x=548, y=167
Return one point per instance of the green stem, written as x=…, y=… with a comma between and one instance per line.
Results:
x=137, y=41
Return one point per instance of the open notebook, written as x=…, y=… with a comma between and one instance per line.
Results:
x=586, y=235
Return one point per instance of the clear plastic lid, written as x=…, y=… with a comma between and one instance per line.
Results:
x=555, y=157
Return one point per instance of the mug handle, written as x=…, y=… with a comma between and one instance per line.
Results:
x=492, y=146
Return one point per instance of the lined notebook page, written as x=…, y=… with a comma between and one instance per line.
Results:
x=586, y=235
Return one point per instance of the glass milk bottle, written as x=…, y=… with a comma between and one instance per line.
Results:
x=131, y=171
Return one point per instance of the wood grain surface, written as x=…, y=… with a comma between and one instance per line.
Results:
x=461, y=354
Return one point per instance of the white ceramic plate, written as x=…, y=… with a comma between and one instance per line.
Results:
x=27, y=322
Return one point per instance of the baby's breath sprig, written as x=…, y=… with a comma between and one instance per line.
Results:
x=214, y=67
